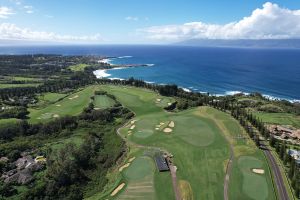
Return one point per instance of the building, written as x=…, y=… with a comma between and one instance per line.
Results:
x=285, y=133
x=161, y=163
x=294, y=154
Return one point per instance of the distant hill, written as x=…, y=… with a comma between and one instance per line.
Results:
x=245, y=43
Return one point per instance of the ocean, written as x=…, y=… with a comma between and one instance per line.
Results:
x=273, y=72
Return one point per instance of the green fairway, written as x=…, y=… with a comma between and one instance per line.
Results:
x=7, y=122
x=198, y=144
x=79, y=67
x=5, y=85
x=140, y=177
x=279, y=118
x=51, y=97
x=103, y=101
x=72, y=105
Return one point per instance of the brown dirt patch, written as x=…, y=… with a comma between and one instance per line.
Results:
x=118, y=189
x=172, y=124
x=168, y=130
x=258, y=171
x=124, y=166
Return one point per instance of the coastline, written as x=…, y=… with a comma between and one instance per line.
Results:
x=103, y=73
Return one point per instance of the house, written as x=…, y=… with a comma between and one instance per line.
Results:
x=285, y=133
x=294, y=154
x=161, y=163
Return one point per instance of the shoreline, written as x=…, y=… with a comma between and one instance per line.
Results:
x=103, y=73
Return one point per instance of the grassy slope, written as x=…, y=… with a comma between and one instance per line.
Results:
x=103, y=101
x=197, y=143
x=51, y=97
x=5, y=85
x=279, y=118
x=243, y=181
x=67, y=106
x=79, y=67
x=7, y=122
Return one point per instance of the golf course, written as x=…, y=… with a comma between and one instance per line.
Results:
x=199, y=140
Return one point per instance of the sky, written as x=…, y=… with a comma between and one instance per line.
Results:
x=146, y=21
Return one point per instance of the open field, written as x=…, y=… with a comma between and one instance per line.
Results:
x=103, y=101
x=7, y=122
x=51, y=97
x=6, y=85
x=72, y=105
x=79, y=67
x=279, y=118
x=200, y=150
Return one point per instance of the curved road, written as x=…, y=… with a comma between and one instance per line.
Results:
x=283, y=195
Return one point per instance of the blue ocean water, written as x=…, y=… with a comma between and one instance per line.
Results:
x=273, y=72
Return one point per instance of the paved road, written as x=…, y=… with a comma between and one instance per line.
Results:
x=283, y=195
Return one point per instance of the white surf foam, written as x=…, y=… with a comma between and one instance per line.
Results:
x=120, y=57
x=101, y=73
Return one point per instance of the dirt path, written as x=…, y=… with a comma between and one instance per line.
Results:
x=174, y=181
x=228, y=172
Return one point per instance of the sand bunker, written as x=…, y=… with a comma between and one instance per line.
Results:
x=120, y=187
x=132, y=127
x=168, y=130
x=123, y=167
x=161, y=123
x=58, y=105
x=156, y=128
x=96, y=108
x=131, y=159
x=258, y=171
x=158, y=100
x=133, y=121
x=76, y=96
x=169, y=104
x=172, y=124
x=55, y=115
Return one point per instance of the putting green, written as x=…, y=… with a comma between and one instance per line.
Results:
x=140, y=168
x=103, y=101
x=254, y=185
x=139, y=175
x=143, y=133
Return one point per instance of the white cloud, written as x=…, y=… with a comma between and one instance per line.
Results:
x=130, y=18
x=5, y=12
x=12, y=32
x=28, y=9
x=269, y=22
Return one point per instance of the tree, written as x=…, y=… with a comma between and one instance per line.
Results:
x=272, y=141
x=282, y=151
